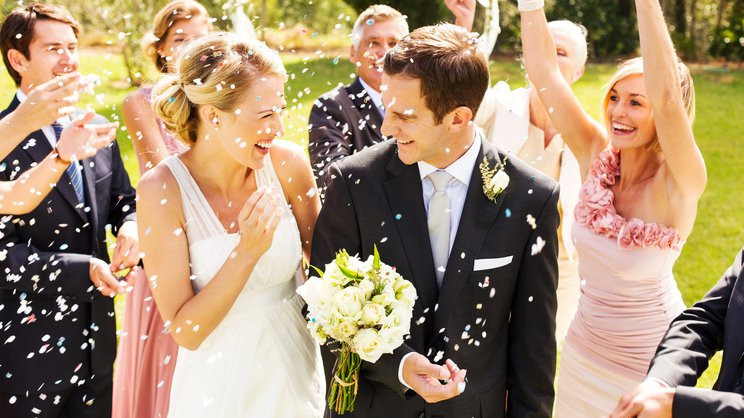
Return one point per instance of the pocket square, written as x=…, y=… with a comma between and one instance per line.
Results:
x=491, y=263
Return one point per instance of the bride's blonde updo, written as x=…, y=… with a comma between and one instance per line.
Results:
x=217, y=69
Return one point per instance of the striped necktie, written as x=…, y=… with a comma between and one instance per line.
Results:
x=73, y=170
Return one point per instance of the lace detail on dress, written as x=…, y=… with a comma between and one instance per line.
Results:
x=596, y=211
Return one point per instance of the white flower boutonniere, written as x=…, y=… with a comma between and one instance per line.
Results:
x=495, y=180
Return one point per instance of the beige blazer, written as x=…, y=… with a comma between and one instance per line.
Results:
x=504, y=116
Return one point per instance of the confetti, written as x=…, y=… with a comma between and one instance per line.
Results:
x=538, y=246
x=532, y=221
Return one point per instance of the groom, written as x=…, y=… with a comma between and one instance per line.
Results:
x=483, y=261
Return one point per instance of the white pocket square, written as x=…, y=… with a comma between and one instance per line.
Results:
x=491, y=263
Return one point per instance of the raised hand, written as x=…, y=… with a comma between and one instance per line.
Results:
x=79, y=141
x=424, y=378
x=463, y=11
x=258, y=220
x=49, y=101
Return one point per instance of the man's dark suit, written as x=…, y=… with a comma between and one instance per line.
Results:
x=498, y=324
x=715, y=323
x=342, y=122
x=64, y=330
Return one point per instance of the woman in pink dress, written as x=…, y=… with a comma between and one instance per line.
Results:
x=147, y=353
x=643, y=176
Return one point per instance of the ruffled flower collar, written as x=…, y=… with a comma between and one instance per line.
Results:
x=596, y=211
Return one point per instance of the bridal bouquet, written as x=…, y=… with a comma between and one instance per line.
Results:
x=365, y=306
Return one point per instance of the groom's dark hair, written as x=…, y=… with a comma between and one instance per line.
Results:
x=445, y=58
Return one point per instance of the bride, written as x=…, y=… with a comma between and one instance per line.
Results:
x=224, y=227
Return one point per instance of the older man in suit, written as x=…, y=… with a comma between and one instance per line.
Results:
x=476, y=234
x=348, y=119
x=57, y=318
x=714, y=323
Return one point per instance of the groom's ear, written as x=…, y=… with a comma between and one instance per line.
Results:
x=460, y=118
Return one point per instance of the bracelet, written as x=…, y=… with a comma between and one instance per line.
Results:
x=58, y=158
x=530, y=5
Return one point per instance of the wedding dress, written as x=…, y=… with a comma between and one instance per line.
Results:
x=260, y=361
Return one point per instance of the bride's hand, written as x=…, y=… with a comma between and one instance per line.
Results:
x=258, y=220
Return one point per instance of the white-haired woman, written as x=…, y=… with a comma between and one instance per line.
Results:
x=516, y=121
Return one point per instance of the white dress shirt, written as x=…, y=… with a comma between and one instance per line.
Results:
x=375, y=95
x=457, y=191
x=461, y=170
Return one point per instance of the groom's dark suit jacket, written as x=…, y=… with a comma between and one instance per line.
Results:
x=498, y=323
x=715, y=323
x=59, y=325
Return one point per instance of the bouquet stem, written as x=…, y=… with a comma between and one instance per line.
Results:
x=345, y=381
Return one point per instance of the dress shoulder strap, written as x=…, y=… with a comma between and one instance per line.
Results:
x=266, y=176
x=201, y=222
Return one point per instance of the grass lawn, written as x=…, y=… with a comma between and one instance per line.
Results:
x=718, y=233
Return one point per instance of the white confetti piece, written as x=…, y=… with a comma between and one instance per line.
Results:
x=538, y=246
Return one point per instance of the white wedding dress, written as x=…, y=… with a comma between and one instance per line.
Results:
x=260, y=361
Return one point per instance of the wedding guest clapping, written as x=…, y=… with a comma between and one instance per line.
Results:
x=58, y=317
x=147, y=353
x=643, y=176
x=224, y=228
x=78, y=141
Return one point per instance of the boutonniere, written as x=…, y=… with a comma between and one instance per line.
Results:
x=495, y=179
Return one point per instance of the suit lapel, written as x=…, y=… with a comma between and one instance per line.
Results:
x=366, y=107
x=405, y=200
x=478, y=215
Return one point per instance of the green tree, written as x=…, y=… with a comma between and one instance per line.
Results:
x=419, y=12
x=728, y=36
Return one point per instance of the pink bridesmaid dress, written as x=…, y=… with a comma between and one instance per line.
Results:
x=147, y=353
x=628, y=298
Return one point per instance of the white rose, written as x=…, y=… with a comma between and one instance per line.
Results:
x=343, y=330
x=390, y=339
x=367, y=344
x=373, y=314
x=316, y=330
x=367, y=286
x=312, y=291
x=333, y=274
x=400, y=317
x=386, y=298
x=499, y=182
x=405, y=291
x=348, y=301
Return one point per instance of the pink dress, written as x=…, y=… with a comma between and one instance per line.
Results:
x=147, y=353
x=628, y=298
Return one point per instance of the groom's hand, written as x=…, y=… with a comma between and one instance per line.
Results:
x=424, y=378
